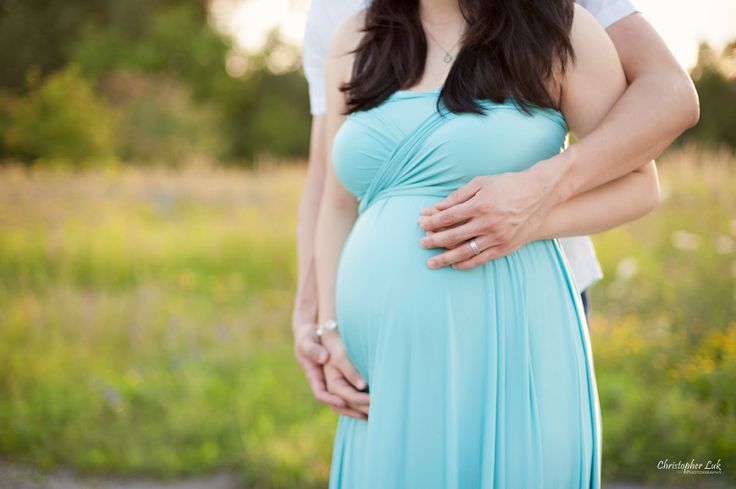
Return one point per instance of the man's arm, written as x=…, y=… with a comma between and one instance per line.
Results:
x=308, y=351
x=659, y=103
x=305, y=304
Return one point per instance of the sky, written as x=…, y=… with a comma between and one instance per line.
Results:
x=681, y=23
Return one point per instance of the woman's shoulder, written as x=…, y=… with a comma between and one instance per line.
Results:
x=595, y=79
x=587, y=35
x=594, y=51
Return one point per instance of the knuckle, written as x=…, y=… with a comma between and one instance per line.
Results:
x=490, y=226
x=486, y=207
x=312, y=351
x=502, y=236
x=503, y=249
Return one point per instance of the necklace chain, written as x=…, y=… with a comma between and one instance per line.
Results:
x=448, y=56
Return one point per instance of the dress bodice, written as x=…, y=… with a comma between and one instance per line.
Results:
x=406, y=146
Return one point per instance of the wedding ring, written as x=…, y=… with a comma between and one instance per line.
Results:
x=474, y=247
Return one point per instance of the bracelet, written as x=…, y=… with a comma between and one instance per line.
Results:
x=329, y=324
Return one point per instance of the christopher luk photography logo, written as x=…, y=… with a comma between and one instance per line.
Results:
x=692, y=467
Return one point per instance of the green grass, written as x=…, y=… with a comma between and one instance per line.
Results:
x=144, y=324
x=664, y=328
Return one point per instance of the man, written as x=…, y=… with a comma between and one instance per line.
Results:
x=503, y=210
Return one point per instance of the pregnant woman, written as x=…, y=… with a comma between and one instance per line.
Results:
x=479, y=378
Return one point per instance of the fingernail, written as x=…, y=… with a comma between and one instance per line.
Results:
x=432, y=263
x=361, y=384
x=322, y=356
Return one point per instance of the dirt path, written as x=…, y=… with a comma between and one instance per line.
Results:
x=13, y=476
x=16, y=477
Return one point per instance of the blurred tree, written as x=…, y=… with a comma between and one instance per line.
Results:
x=266, y=113
x=260, y=112
x=715, y=79
x=37, y=33
x=169, y=42
x=62, y=117
x=175, y=41
x=159, y=122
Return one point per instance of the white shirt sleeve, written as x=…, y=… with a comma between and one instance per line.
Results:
x=608, y=11
x=314, y=52
x=322, y=18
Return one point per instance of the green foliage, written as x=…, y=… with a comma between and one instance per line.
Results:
x=260, y=114
x=159, y=120
x=62, y=117
x=267, y=115
x=664, y=332
x=715, y=80
x=145, y=325
x=36, y=34
x=154, y=303
x=174, y=41
x=181, y=104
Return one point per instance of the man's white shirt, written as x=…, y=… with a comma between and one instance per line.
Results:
x=322, y=18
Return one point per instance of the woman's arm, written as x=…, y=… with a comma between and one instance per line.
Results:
x=592, y=85
x=338, y=212
x=605, y=207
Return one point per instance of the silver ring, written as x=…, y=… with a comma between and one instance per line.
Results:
x=474, y=247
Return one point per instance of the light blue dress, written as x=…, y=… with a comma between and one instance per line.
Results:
x=478, y=378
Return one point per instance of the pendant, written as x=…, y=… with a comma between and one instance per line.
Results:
x=447, y=58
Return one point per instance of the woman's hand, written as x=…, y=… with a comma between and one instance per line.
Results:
x=311, y=356
x=343, y=379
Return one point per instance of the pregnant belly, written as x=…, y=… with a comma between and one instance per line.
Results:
x=385, y=293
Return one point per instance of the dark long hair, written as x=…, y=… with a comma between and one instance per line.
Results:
x=511, y=48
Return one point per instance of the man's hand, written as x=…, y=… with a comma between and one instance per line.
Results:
x=343, y=379
x=502, y=212
x=311, y=355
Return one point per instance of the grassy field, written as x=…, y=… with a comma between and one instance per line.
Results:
x=144, y=325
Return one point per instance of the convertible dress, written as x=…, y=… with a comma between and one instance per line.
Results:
x=479, y=378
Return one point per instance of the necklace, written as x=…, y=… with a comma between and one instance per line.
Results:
x=448, y=56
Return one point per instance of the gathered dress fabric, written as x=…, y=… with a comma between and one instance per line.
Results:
x=479, y=378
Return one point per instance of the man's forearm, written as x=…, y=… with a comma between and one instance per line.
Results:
x=306, y=302
x=658, y=105
x=638, y=128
